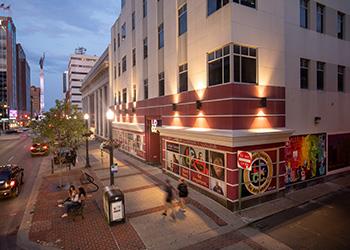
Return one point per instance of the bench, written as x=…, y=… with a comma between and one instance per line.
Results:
x=77, y=211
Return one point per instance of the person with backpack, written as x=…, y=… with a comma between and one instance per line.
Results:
x=183, y=193
x=169, y=200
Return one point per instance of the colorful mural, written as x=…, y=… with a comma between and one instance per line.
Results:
x=305, y=157
x=201, y=166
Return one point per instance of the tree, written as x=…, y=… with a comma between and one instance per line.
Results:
x=62, y=126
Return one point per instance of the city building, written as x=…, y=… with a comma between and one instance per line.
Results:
x=23, y=82
x=78, y=67
x=8, y=81
x=202, y=86
x=35, y=102
x=95, y=95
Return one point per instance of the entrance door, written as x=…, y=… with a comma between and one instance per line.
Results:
x=152, y=141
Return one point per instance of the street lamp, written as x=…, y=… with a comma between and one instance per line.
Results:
x=110, y=117
x=86, y=118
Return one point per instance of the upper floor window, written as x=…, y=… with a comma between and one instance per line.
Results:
x=123, y=3
x=124, y=64
x=145, y=48
x=125, y=95
x=134, y=93
x=320, y=75
x=160, y=36
x=161, y=84
x=340, y=25
x=115, y=72
x=118, y=40
x=118, y=69
x=214, y=5
x=133, y=57
x=320, y=18
x=249, y=3
x=114, y=44
x=183, y=78
x=304, y=73
x=123, y=31
x=133, y=20
x=182, y=15
x=145, y=88
x=144, y=8
x=341, y=72
x=219, y=66
x=119, y=98
x=304, y=10
x=244, y=64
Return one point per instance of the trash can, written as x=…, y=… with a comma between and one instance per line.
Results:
x=113, y=204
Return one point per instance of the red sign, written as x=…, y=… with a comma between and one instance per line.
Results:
x=200, y=179
x=244, y=160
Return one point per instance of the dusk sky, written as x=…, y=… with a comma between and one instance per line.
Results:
x=57, y=27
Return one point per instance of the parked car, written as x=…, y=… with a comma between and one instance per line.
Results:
x=11, y=131
x=11, y=179
x=39, y=149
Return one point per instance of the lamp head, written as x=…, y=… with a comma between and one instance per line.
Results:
x=110, y=114
x=86, y=116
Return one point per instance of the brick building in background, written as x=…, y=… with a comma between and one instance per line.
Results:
x=23, y=82
x=35, y=101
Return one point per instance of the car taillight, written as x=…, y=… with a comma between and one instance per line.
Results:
x=31, y=148
x=45, y=147
x=12, y=183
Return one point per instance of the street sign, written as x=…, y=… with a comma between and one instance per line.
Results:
x=244, y=160
x=114, y=168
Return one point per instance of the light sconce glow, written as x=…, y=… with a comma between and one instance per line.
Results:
x=86, y=116
x=200, y=88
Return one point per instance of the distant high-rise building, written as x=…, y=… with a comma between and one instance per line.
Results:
x=23, y=81
x=65, y=81
x=8, y=82
x=78, y=67
x=35, y=101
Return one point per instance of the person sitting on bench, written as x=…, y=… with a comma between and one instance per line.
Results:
x=75, y=203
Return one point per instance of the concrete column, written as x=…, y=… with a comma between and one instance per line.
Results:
x=331, y=79
x=95, y=109
x=312, y=15
x=331, y=21
x=312, y=75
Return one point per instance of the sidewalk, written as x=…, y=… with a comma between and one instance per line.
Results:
x=205, y=225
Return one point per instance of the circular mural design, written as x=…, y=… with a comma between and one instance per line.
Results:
x=259, y=178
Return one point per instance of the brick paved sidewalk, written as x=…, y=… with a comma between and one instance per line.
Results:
x=92, y=232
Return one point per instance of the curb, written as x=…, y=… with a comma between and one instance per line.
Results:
x=23, y=240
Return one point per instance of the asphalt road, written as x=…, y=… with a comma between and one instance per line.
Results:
x=320, y=224
x=12, y=209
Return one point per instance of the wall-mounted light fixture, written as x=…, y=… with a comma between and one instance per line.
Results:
x=263, y=102
x=174, y=106
x=317, y=120
x=133, y=109
x=198, y=105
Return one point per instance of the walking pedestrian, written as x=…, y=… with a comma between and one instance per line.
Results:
x=183, y=193
x=169, y=200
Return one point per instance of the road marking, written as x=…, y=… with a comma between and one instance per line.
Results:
x=10, y=158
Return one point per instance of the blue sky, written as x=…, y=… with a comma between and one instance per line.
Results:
x=57, y=27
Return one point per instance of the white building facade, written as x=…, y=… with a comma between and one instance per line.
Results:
x=78, y=67
x=95, y=95
x=194, y=82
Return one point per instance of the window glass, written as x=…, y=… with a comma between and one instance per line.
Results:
x=320, y=16
x=215, y=72
x=341, y=70
x=248, y=70
x=304, y=13
x=144, y=8
x=161, y=84
x=304, y=78
x=340, y=25
x=145, y=88
x=160, y=36
x=133, y=20
x=145, y=48
x=320, y=75
x=183, y=19
x=183, y=81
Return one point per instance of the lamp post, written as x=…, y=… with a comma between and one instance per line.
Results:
x=87, y=163
x=110, y=117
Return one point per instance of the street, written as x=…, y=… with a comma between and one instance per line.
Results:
x=320, y=224
x=11, y=210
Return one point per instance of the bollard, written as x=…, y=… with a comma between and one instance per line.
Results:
x=52, y=167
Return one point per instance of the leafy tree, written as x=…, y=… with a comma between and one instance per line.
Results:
x=62, y=126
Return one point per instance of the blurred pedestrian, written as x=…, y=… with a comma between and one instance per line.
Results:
x=169, y=200
x=183, y=193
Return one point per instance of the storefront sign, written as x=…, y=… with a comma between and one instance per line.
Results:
x=244, y=160
x=200, y=179
x=258, y=179
x=13, y=114
x=154, y=124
